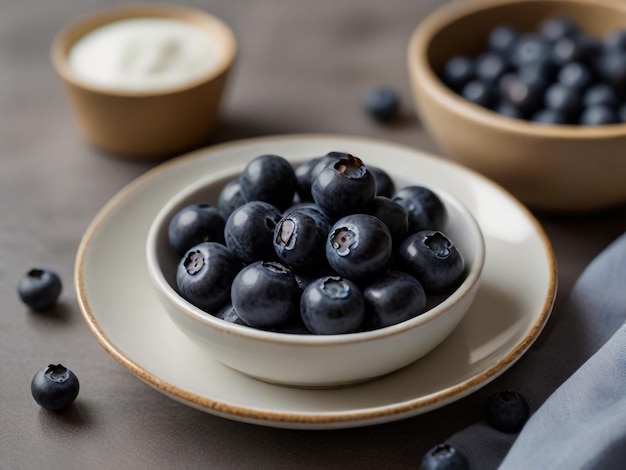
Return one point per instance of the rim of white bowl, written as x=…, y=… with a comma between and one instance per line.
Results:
x=159, y=282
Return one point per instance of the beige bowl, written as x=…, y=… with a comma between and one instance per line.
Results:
x=553, y=168
x=150, y=124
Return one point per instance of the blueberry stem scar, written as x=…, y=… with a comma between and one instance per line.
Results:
x=57, y=373
x=194, y=262
x=275, y=267
x=343, y=239
x=336, y=288
x=438, y=244
x=285, y=232
x=351, y=167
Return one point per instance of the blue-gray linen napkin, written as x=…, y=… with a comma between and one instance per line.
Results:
x=574, y=378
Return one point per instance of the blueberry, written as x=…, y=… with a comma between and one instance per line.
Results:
x=508, y=110
x=305, y=278
x=575, y=75
x=612, y=68
x=293, y=326
x=358, y=246
x=392, y=214
x=444, y=457
x=480, y=94
x=249, y=231
x=524, y=96
x=308, y=206
x=502, y=38
x=265, y=294
x=326, y=161
x=300, y=237
x=54, y=387
x=39, y=288
x=598, y=115
x=331, y=306
x=506, y=411
x=556, y=28
x=205, y=274
x=195, y=224
x=576, y=48
x=228, y=314
x=433, y=259
x=490, y=66
x=458, y=72
x=269, y=178
x=538, y=75
x=530, y=49
x=563, y=98
x=384, y=184
x=601, y=94
x=615, y=40
x=304, y=179
x=550, y=117
x=621, y=113
x=424, y=208
x=344, y=187
x=393, y=297
x=308, y=171
x=230, y=198
x=382, y=104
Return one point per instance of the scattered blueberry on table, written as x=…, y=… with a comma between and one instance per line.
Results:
x=54, y=387
x=39, y=288
x=506, y=411
x=329, y=261
x=444, y=457
x=382, y=104
x=556, y=75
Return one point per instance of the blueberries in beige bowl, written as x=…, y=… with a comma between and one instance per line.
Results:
x=313, y=284
x=530, y=93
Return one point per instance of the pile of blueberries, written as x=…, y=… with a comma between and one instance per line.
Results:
x=557, y=75
x=328, y=248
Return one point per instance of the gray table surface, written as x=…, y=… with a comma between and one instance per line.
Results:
x=303, y=68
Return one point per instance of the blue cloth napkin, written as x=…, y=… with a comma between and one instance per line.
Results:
x=574, y=378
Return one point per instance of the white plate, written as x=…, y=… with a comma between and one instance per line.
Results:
x=510, y=310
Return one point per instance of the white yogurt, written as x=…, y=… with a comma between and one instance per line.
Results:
x=144, y=54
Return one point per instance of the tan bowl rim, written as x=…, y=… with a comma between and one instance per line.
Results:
x=421, y=71
x=59, y=45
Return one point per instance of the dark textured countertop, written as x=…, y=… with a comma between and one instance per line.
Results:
x=303, y=68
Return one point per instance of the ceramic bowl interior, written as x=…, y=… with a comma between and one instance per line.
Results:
x=147, y=124
x=312, y=360
x=552, y=168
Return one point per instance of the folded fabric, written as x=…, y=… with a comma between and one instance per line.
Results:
x=574, y=378
x=583, y=424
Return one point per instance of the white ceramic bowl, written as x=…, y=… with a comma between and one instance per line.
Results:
x=311, y=360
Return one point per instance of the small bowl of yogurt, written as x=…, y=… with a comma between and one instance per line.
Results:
x=146, y=81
